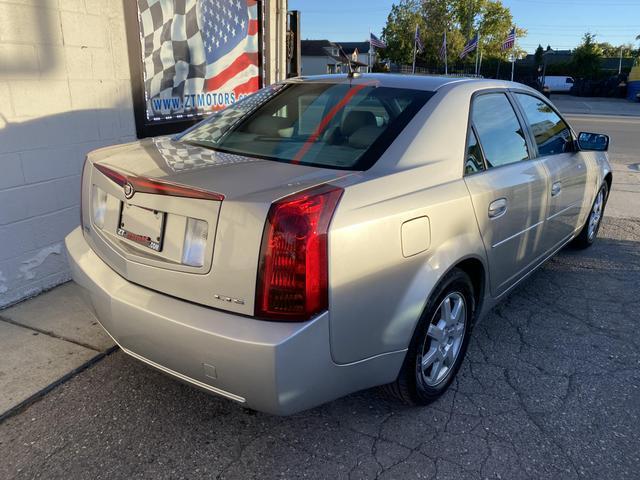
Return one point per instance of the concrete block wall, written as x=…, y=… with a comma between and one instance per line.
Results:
x=64, y=90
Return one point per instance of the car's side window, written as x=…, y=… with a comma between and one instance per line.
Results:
x=499, y=131
x=552, y=135
x=473, y=162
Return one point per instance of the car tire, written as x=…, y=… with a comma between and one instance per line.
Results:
x=589, y=231
x=438, y=343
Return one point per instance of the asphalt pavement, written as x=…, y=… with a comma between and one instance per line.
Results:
x=550, y=389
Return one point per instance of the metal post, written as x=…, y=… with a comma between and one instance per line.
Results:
x=415, y=47
x=513, y=53
x=513, y=65
x=295, y=61
x=620, y=64
x=446, y=67
x=370, y=69
x=477, y=53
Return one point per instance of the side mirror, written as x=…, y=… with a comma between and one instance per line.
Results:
x=593, y=141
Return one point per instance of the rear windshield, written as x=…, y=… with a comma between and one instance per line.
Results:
x=328, y=125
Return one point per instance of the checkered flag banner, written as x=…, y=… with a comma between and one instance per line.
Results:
x=198, y=55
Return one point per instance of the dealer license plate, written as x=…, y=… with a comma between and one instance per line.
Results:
x=142, y=226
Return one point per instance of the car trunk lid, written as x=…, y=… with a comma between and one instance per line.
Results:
x=144, y=233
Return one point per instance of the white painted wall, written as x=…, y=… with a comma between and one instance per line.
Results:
x=315, y=65
x=64, y=90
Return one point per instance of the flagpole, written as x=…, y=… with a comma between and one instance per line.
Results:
x=477, y=52
x=446, y=68
x=370, y=69
x=513, y=54
x=415, y=48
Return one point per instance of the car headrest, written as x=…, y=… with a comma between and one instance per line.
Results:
x=268, y=125
x=364, y=136
x=356, y=119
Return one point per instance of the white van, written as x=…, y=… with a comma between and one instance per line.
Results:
x=557, y=84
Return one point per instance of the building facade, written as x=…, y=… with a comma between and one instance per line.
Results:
x=321, y=57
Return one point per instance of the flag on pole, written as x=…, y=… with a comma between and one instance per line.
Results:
x=419, y=44
x=470, y=46
x=376, y=42
x=510, y=41
x=443, y=48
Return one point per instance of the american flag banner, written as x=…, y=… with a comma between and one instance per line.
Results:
x=443, y=48
x=419, y=45
x=470, y=46
x=376, y=42
x=198, y=56
x=510, y=41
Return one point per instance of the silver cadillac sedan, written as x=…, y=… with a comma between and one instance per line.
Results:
x=330, y=234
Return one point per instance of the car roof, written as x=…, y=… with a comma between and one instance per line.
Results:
x=416, y=82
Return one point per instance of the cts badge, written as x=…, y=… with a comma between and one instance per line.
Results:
x=128, y=190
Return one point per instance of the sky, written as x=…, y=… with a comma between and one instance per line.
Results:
x=560, y=24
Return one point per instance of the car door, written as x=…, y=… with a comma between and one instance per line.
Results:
x=566, y=166
x=508, y=189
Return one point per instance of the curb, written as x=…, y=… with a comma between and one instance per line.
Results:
x=41, y=393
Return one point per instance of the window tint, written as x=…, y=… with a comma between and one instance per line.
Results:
x=551, y=133
x=500, y=133
x=334, y=125
x=474, y=162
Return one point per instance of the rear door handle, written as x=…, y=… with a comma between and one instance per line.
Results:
x=497, y=208
x=556, y=188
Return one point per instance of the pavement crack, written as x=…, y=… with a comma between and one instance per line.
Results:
x=50, y=334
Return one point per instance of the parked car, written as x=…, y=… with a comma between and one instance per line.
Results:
x=331, y=234
x=557, y=84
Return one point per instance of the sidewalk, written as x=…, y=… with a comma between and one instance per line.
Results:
x=44, y=341
x=569, y=104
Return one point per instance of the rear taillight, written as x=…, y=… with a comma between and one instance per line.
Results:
x=293, y=273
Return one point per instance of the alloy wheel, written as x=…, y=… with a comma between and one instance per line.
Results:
x=596, y=214
x=443, y=340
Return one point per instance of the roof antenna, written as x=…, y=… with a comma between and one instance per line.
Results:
x=352, y=73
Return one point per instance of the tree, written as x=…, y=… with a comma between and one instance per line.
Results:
x=399, y=32
x=539, y=55
x=461, y=19
x=587, y=56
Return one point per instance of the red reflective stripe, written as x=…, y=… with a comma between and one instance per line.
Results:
x=325, y=121
x=158, y=187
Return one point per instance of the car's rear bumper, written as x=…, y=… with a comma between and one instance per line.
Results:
x=275, y=367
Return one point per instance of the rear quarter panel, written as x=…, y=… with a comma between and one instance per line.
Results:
x=376, y=294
